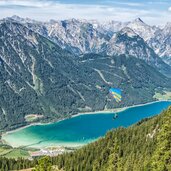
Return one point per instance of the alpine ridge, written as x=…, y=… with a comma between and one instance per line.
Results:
x=84, y=36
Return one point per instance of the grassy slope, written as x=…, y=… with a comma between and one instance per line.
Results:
x=165, y=96
x=9, y=152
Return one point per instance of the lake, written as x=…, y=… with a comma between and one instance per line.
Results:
x=81, y=129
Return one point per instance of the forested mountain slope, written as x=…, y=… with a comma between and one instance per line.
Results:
x=144, y=146
x=38, y=77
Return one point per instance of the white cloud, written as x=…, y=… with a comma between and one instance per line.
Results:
x=45, y=10
x=131, y=4
x=26, y=3
x=169, y=8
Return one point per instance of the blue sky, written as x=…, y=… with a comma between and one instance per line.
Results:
x=151, y=11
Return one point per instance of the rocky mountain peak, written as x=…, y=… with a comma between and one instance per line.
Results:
x=128, y=31
x=167, y=28
x=92, y=36
x=168, y=25
x=142, y=29
x=138, y=20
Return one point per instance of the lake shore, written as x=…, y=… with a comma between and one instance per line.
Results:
x=117, y=110
x=7, y=137
x=107, y=111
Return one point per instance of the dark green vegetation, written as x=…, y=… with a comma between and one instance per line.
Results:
x=38, y=77
x=13, y=164
x=144, y=146
x=44, y=164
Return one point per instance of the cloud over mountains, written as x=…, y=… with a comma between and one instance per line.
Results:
x=153, y=12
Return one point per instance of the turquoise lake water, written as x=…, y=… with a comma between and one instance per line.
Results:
x=81, y=129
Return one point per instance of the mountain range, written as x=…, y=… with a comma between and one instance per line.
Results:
x=84, y=36
x=60, y=68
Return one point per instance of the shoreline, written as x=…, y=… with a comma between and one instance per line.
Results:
x=107, y=111
x=118, y=110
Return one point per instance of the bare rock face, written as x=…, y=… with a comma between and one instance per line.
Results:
x=83, y=36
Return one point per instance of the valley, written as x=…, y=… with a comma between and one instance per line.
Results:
x=55, y=78
x=39, y=77
x=85, y=85
x=65, y=133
